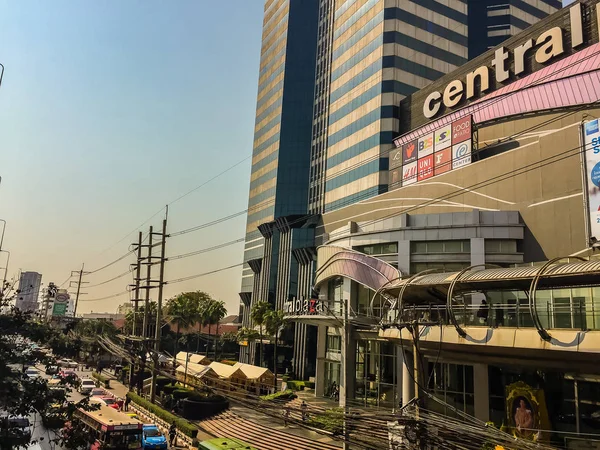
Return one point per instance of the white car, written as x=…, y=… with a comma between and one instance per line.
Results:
x=66, y=362
x=86, y=386
x=32, y=373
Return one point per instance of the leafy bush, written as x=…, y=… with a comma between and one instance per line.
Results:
x=182, y=425
x=179, y=394
x=295, y=385
x=169, y=388
x=309, y=384
x=283, y=395
x=285, y=378
x=332, y=420
x=102, y=379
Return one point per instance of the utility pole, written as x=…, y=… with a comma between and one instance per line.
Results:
x=161, y=282
x=147, y=287
x=345, y=348
x=138, y=275
x=79, y=282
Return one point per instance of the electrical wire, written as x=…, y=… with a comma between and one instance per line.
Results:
x=108, y=281
x=206, y=250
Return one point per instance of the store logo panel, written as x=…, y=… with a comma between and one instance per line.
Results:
x=396, y=158
x=409, y=152
x=409, y=174
x=461, y=130
x=442, y=161
x=425, y=168
x=461, y=154
x=425, y=146
x=443, y=138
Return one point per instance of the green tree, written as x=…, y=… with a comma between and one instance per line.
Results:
x=275, y=321
x=134, y=322
x=184, y=311
x=258, y=315
x=216, y=311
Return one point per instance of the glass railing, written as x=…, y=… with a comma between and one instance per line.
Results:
x=575, y=315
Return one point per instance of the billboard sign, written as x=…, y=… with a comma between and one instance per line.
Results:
x=396, y=158
x=409, y=152
x=435, y=153
x=409, y=174
x=591, y=139
x=59, y=309
x=461, y=130
x=425, y=168
x=425, y=146
x=443, y=138
x=461, y=154
x=442, y=161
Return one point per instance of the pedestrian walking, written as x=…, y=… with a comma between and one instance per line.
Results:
x=172, y=434
x=286, y=415
x=304, y=407
x=126, y=404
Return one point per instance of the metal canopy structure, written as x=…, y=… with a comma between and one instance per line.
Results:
x=443, y=288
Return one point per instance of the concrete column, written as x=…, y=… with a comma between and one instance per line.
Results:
x=481, y=391
x=346, y=294
x=477, y=251
x=408, y=385
x=320, y=369
x=348, y=369
x=404, y=257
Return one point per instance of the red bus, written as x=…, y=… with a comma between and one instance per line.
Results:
x=111, y=429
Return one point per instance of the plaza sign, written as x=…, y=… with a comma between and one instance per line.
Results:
x=547, y=45
x=591, y=160
x=303, y=306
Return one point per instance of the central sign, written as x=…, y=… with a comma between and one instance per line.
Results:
x=547, y=45
x=303, y=306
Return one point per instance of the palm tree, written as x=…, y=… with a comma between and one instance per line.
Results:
x=183, y=311
x=216, y=311
x=274, y=323
x=258, y=315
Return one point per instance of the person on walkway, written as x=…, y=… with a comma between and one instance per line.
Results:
x=332, y=390
x=304, y=407
x=126, y=404
x=286, y=415
x=172, y=434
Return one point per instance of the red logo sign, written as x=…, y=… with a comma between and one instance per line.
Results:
x=443, y=161
x=461, y=130
x=409, y=174
x=425, y=168
x=409, y=152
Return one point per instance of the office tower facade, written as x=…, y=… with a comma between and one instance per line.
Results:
x=29, y=291
x=332, y=75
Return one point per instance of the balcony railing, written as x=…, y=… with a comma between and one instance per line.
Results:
x=576, y=315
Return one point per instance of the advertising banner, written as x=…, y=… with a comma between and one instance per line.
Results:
x=425, y=168
x=461, y=130
x=461, y=154
x=591, y=139
x=443, y=138
x=442, y=161
x=409, y=174
x=395, y=158
x=425, y=147
x=409, y=152
x=59, y=309
x=395, y=176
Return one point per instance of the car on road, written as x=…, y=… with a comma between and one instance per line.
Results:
x=51, y=369
x=86, y=386
x=69, y=363
x=68, y=373
x=15, y=429
x=110, y=401
x=32, y=373
x=97, y=392
x=152, y=438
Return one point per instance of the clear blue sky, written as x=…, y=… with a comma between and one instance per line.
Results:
x=109, y=110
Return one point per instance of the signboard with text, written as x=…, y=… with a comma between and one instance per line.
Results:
x=591, y=139
x=441, y=151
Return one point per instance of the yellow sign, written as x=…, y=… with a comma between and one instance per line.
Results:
x=526, y=412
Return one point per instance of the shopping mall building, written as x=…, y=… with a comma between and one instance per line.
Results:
x=475, y=274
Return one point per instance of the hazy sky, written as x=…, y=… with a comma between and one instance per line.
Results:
x=111, y=109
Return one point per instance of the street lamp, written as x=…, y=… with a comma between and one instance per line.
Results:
x=3, y=229
x=1, y=73
x=5, y=268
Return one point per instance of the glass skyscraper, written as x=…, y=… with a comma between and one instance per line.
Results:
x=332, y=75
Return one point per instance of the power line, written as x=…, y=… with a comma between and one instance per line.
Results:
x=108, y=281
x=205, y=250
